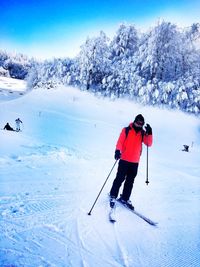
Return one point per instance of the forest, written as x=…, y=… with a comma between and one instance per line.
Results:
x=158, y=67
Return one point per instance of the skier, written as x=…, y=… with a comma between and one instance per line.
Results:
x=8, y=127
x=18, y=121
x=128, y=150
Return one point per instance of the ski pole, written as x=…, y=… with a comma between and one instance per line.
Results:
x=89, y=213
x=147, y=170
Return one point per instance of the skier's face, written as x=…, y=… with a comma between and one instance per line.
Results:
x=139, y=124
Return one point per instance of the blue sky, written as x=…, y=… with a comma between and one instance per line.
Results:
x=45, y=28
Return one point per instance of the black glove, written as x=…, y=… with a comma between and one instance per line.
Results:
x=117, y=154
x=148, y=129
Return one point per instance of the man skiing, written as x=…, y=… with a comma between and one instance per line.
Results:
x=18, y=121
x=128, y=150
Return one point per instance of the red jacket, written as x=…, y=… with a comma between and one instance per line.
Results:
x=130, y=146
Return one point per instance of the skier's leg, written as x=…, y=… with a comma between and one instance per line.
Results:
x=120, y=177
x=128, y=185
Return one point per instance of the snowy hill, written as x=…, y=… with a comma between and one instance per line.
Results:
x=52, y=171
x=11, y=88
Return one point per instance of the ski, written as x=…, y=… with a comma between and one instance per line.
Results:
x=149, y=221
x=112, y=217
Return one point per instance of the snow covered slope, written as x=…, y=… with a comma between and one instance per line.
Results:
x=52, y=171
x=11, y=88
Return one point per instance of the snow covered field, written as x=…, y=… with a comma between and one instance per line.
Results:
x=52, y=171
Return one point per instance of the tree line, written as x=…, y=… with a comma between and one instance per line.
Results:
x=158, y=67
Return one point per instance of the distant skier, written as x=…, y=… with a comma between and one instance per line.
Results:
x=128, y=150
x=8, y=127
x=18, y=122
x=185, y=148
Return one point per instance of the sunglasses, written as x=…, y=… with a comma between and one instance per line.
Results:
x=139, y=123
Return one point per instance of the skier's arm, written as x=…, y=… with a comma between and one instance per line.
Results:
x=121, y=140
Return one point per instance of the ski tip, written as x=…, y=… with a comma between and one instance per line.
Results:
x=112, y=220
x=153, y=223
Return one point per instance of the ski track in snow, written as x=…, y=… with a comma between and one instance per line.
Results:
x=122, y=252
x=52, y=171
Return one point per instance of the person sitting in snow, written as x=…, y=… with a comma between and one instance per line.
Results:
x=186, y=148
x=18, y=121
x=8, y=127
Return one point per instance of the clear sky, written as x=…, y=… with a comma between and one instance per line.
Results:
x=46, y=28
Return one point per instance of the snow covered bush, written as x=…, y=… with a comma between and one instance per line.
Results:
x=3, y=72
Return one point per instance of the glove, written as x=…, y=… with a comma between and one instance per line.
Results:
x=117, y=154
x=148, y=129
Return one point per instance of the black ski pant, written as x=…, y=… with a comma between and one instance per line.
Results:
x=126, y=173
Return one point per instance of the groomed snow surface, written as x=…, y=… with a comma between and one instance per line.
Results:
x=52, y=171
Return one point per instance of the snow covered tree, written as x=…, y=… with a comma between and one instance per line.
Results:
x=72, y=73
x=124, y=43
x=94, y=61
x=122, y=50
x=17, y=65
x=3, y=57
x=50, y=73
x=159, y=53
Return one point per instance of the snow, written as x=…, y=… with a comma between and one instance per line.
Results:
x=52, y=171
x=11, y=88
x=11, y=83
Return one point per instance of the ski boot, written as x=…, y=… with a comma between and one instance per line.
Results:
x=112, y=202
x=127, y=203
